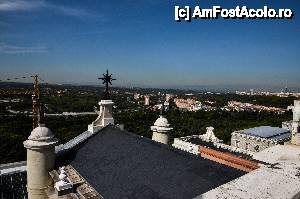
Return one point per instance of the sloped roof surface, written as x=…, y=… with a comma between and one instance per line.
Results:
x=119, y=164
x=265, y=131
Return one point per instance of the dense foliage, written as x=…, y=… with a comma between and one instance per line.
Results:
x=191, y=123
x=222, y=99
x=14, y=129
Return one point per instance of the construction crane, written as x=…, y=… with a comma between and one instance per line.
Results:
x=35, y=102
x=37, y=107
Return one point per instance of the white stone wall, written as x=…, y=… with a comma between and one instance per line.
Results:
x=253, y=143
x=296, y=111
x=296, y=123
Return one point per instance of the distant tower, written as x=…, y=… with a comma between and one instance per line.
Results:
x=251, y=92
x=105, y=115
x=40, y=160
x=286, y=90
x=296, y=123
x=147, y=100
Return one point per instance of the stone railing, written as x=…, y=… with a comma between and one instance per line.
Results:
x=185, y=146
x=14, y=167
x=183, y=143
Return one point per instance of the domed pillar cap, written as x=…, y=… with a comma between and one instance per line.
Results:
x=161, y=125
x=162, y=121
x=41, y=137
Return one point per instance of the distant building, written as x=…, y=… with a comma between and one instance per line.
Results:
x=159, y=106
x=240, y=106
x=185, y=103
x=147, y=100
x=192, y=105
x=168, y=97
x=136, y=96
x=167, y=106
x=251, y=92
x=259, y=138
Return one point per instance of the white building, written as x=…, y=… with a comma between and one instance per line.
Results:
x=259, y=138
x=136, y=96
x=168, y=97
x=147, y=100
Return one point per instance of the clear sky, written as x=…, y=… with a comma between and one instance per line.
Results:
x=141, y=43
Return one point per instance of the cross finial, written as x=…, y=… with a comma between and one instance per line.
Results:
x=107, y=79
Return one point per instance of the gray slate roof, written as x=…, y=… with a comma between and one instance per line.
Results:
x=119, y=164
x=265, y=131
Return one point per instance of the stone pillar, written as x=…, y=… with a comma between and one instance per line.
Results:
x=161, y=130
x=296, y=123
x=105, y=116
x=106, y=106
x=160, y=137
x=40, y=160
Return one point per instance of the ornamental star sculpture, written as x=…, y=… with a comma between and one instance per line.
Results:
x=107, y=79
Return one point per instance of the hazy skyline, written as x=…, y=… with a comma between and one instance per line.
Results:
x=141, y=44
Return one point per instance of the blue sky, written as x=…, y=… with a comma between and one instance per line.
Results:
x=140, y=42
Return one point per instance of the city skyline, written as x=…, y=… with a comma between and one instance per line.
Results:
x=144, y=46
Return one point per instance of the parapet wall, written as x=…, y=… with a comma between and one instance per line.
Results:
x=225, y=158
x=183, y=143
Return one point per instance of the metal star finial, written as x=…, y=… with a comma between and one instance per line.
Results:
x=107, y=79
